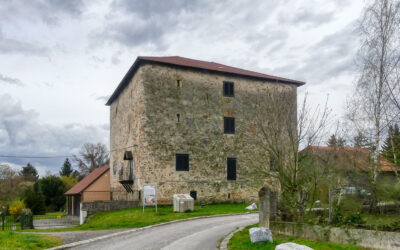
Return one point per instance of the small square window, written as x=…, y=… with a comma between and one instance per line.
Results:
x=231, y=169
x=193, y=194
x=228, y=88
x=229, y=125
x=182, y=162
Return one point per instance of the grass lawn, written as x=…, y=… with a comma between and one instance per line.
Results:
x=134, y=217
x=241, y=240
x=13, y=240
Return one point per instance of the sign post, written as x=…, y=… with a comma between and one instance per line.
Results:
x=149, y=196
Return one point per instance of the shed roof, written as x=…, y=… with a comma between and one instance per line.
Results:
x=195, y=64
x=361, y=157
x=88, y=180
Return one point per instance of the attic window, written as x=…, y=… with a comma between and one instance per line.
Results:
x=179, y=83
x=128, y=155
x=228, y=88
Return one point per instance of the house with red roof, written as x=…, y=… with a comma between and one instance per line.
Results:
x=94, y=187
x=354, y=163
x=187, y=126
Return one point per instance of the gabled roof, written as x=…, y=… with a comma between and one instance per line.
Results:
x=356, y=155
x=88, y=180
x=195, y=64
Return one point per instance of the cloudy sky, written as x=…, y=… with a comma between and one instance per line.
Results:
x=60, y=60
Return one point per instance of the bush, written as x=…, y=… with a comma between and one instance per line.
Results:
x=354, y=219
x=16, y=209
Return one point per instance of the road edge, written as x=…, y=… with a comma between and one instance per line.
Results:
x=224, y=243
x=83, y=242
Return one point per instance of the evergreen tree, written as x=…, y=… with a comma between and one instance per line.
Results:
x=66, y=169
x=360, y=141
x=391, y=145
x=34, y=199
x=336, y=142
x=53, y=190
x=29, y=173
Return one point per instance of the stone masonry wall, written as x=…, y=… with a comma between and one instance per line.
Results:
x=147, y=117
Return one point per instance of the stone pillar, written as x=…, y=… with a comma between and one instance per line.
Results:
x=273, y=205
x=264, y=212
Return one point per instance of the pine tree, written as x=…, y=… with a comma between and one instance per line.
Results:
x=391, y=145
x=336, y=142
x=332, y=142
x=29, y=173
x=360, y=141
x=35, y=200
x=66, y=169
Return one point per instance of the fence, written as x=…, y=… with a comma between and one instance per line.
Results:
x=54, y=221
x=11, y=223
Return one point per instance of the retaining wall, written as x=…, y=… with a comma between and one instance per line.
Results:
x=360, y=237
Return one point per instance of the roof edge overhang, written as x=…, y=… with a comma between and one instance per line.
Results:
x=139, y=60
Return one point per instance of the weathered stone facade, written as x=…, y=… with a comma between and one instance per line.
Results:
x=168, y=109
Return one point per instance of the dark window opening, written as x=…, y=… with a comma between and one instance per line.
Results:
x=182, y=162
x=115, y=167
x=193, y=194
x=231, y=169
x=121, y=171
x=178, y=117
x=130, y=169
x=139, y=195
x=229, y=125
x=179, y=83
x=228, y=88
x=229, y=195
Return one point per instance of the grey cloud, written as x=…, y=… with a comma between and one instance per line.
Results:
x=10, y=80
x=12, y=46
x=48, y=11
x=331, y=57
x=133, y=23
x=22, y=133
x=306, y=16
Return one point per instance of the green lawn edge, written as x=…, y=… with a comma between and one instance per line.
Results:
x=241, y=241
x=19, y=240
x=135, y=218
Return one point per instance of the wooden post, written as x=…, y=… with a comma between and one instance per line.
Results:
x=73, y=204
x=264, y=212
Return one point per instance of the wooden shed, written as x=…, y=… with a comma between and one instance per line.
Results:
x=94, y=187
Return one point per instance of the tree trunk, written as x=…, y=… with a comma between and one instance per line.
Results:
x=264, y=212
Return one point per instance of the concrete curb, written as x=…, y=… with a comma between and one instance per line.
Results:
x=225, y=241
x=82, y=242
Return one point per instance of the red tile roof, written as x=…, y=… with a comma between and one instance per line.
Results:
x=196, y=64
x=88, y=180
x=359, y=156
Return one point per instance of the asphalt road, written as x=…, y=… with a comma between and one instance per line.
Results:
x=204, y=233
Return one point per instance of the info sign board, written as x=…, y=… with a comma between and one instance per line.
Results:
x=149, y=196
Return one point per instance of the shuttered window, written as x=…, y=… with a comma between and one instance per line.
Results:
x=231, y=169
x=182, y=162
x=228, y=89
x=229, y=125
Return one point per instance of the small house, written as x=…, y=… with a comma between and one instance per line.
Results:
x=94, y=187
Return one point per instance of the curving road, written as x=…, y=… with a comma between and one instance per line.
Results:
x=203, y=233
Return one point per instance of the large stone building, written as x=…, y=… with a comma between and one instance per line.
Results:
x=186, y=126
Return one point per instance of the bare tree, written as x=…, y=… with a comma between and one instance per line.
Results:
x=378, y=57
x=282, y=131
x=91, y=156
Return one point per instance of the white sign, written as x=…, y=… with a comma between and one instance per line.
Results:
x=149, y=196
